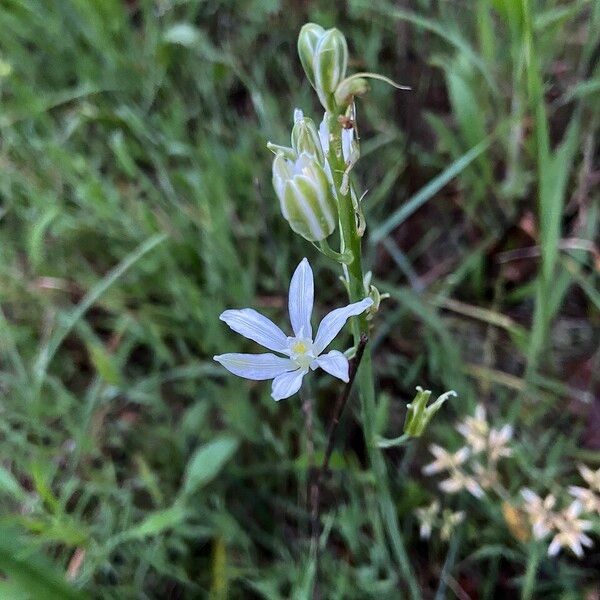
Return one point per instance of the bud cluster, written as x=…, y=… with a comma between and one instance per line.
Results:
x=324, y=56
x=302, y=174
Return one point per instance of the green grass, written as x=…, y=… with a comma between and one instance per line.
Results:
x=136, y=205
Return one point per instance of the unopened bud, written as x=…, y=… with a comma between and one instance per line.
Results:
x=305, y=138
x=309, y=37
x=329, y=63
x=305, y=196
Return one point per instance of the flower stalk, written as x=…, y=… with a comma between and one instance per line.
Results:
x=313, y=182
x=351, y=242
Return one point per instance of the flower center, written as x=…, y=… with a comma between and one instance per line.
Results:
x=301, y=351
x=299, y=347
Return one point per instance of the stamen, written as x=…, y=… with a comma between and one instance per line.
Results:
x=299, y=348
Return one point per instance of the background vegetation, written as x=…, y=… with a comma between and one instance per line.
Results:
x=136, y=205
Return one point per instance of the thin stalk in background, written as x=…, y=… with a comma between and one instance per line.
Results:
x=365, y=377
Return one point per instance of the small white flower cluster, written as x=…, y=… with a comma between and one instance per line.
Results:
x=474, y=466
x=565, y=525
x=430, y=518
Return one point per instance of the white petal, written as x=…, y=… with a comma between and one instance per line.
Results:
x=451, y=486
x=479, y=413
x=576, y=491
x=463, y=429
x=461, y=455
x=587, y=473
x=474, y=488
x=287, y=384
x=425, y=531
x=332, y=323
x=300, y=300
x=554, y=547
x=574, y=510
x=575, y=545
x=347, y=139
x=324, y=134
x=530, y=496
x=432, y=468
x=255, y=366
x=540, y=530
x=256, y=327
x=505, y=434
x=438, y=451
x=335, y=363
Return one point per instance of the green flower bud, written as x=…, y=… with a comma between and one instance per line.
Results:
x=305, y=137
x=419, y=414
x=329, y=63
x=309, y=36
x=305, y=196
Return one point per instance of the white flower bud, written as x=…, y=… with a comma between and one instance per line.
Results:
x=309, y=36
x=305, y=138
x=329, y=63
x=305, y=196
x=324, y=56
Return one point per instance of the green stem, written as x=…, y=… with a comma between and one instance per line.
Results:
x=365, y=379
x=393, y=443
x=533, y=562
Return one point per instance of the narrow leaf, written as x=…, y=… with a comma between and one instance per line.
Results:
x=207, y=462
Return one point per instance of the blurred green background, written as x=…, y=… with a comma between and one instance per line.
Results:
x=136, y=205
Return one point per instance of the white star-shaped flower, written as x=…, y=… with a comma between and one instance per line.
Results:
x=540, y=512
x=427, y=517
x=444, y=460
x=301, y=351
x=475, y=429
x=570, y=531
